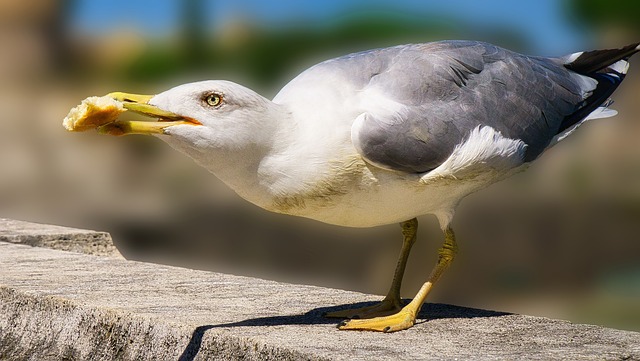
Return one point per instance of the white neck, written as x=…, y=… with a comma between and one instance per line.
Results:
x=238, y=164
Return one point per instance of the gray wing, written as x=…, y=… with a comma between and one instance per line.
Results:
x=422, y=100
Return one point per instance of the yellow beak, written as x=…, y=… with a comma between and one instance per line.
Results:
x=140, y=104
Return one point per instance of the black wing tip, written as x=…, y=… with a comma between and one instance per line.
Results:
x=590, y=62
x=608, y=67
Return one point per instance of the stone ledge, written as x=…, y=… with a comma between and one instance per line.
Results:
x=57, y=237
x=56, y=304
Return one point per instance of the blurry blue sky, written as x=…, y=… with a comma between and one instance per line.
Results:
x=544, y=23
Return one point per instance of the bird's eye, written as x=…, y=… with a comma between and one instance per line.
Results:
x=213, y=99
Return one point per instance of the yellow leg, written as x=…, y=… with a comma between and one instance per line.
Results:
x=406, y=317
x=392, y=303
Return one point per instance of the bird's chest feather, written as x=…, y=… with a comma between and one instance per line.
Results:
x=356, y=194
x=323, y=186
x=349, y=191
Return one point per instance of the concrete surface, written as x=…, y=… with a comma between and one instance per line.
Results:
x=57, y=237
x=64, y=305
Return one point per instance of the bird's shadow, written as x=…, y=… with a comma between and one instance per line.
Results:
x=430, y=311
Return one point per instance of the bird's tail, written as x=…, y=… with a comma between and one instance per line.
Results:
x=608, y=67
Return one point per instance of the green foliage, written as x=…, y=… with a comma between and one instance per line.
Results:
x=267, y=56
x=620, y=13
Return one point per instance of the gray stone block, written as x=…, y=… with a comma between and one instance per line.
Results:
x=57, y=237
x=63, y=305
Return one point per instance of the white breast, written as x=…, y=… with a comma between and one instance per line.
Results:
x=354, y=193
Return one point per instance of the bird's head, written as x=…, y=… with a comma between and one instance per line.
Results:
x=206, y=114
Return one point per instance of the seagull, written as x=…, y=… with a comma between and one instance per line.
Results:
x=383, y=136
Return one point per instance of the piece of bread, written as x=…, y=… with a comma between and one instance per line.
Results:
x=92, y=113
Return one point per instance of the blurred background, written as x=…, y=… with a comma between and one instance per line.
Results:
x=560, y=240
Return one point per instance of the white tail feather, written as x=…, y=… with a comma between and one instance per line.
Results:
x=600, y=112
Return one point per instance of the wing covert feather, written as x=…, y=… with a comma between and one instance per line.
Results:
x=420, y=101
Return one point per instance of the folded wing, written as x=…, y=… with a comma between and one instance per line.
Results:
x=422, y=100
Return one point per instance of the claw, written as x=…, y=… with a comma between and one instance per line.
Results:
x=401, y=320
